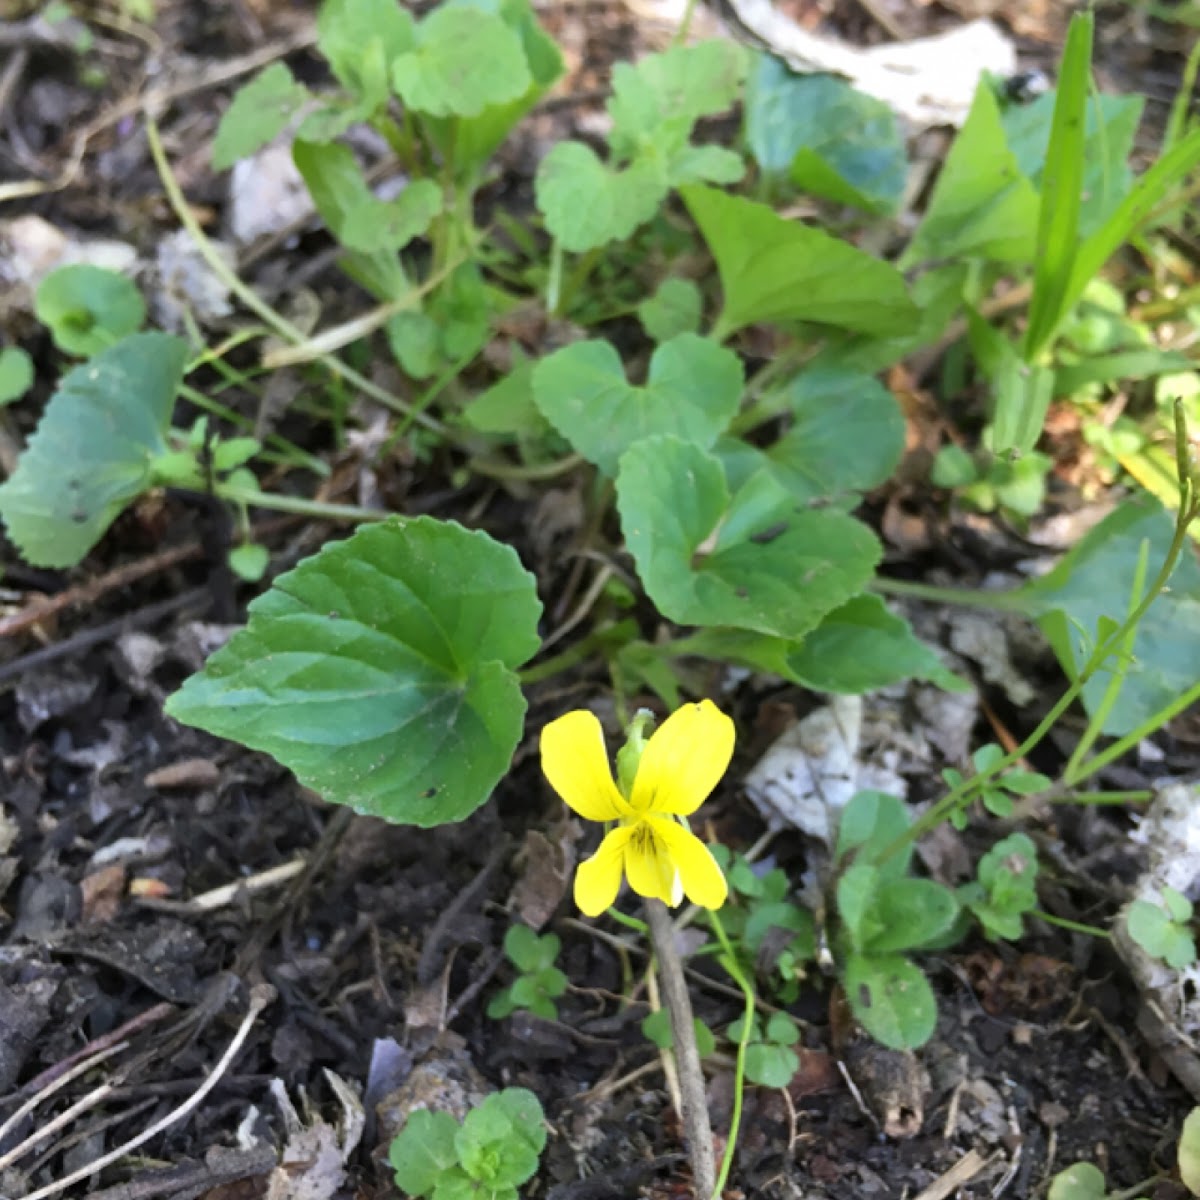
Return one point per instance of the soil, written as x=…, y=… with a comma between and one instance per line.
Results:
x=368, y=952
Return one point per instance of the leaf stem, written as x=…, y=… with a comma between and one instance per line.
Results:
x=968, y=597
x=221, y=269
x=321, y=509
x=1074, y=926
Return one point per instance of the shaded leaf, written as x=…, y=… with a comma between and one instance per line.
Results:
x=381, y=670
x=259, y=113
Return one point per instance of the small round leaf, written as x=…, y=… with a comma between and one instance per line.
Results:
x=88, y=308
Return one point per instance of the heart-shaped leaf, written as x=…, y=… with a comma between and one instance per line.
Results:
x=781, y=580
x=586, y=204
x=692, y=390
x=892, y=999
x=381, y=671
x=94, y=449
x=465, y=60
x=87, y=308
x=773, y=269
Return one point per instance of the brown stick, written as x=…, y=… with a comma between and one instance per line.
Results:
x=687, y=1057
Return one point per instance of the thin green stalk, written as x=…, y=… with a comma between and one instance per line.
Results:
x=577, y=278
x=321, y=509
x=729, y=961
x=1101, y=798
x=1074, y=926
x=1095, y=725
x=251, y=299
x=577, y=653
x=1131, y=739
x=629, y=922
x=517, y=472
x=685, y=24
x=968, y=597
x=958, y=796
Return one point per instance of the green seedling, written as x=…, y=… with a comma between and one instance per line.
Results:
x=1016, y=486
x=538, y=984
x=999, y=792
x=88, y=308
x=1163, y=930
x=882, y=913
x=657, y=1028
x=488, y=1157
x=1005, y=888
x=765, y=924
x=771, y=1059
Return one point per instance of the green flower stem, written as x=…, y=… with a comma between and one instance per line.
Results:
x=253, y=301
x=685, y=25
x=959, y=796
x=1074, y=926
x=729, y=961
x=321, y=509
x=697, y=1129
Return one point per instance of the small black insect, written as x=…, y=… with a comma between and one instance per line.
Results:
x=1026, y=86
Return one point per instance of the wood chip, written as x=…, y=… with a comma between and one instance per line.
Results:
x=187, y=773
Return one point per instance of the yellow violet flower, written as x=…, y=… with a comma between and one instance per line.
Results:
x=651, y=844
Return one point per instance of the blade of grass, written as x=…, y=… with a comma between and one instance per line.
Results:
x=1062, y=190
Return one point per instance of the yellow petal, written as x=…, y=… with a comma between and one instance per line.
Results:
x=684, y=760
x=703, y=882
x=575, y=762
x=599, y=878
x=648, y=864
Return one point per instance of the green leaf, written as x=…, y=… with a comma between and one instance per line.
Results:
x=982, y=205
x=1080, y=592
x=501, y=1139
x=508, y=406
x=467, y=143
x=528, y=951
x=1112, y=123
x=94, y=449
x=259, y=113
x=346, y=32
x=869, y=824
x=953, y=467
x=891, y=999
x=1189, y=1152
x=660, y=98
x=354, y=215
x=587, y=204
x=832, y=140
x=782, y=1030
x=88, y=308
x=249, y=561
x=423, y=1150
x=16, y=374
x=773, y=269
x=861, y=647
x=771, y=1065
x=1021, y=392
x=1177, y=904
x=656, y=1027
x=856, y=890
x=692, y=390
x=781, y=914
x=673, y=499
x=1144, y=197
x=465, y=59
x=847, y=434
x=1083, y=1181
x=456, y=1184
x=1062, y=191
x=672, y=310
x=381, y=670
x=1161, y=937
x=912, y=913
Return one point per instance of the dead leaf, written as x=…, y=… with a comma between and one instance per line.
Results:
x=187, y=773
x=546, y=865
x=101, y=893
